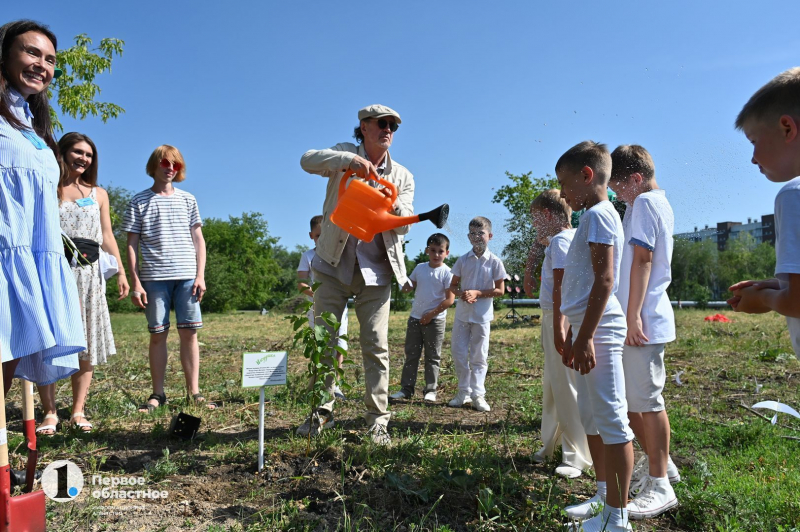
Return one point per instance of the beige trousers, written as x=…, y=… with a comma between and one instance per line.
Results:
x=372, y=310
x=561, y=419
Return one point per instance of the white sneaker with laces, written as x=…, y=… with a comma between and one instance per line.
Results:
x=641, y=471
x=314, y=423
x=430, y=397
x=462, y=398
x=585, y=509
x=398, y=395
x=655, y=498
x=379, y=434
x=480, y=404
x=598, y=524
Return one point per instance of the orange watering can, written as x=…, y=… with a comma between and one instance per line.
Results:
x=364, y=211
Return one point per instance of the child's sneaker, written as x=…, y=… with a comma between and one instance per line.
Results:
x=673, y=474
x=380, y=435
x=337, y=392
x=585, y=509
x=567, y=471
x=655, y=498
x=430, y=397
x=462, y=398
x=598, y=524
x=314, y=424
x=398, y=395
x=480, y=404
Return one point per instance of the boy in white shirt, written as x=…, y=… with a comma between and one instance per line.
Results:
x=597, y=332
x=644, y=277
x=561, y=420
x=478, y=276
x=304, y=273
x=771, y=121
x=431, y=281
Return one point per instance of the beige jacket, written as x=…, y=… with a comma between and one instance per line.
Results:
x=333, y=163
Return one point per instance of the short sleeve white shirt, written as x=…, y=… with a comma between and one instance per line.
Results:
x=598, y=225
x=649, y=223
x=305, y=266
x=555, y=258
x=787, y=245
x=430, y=289
x=477, y=273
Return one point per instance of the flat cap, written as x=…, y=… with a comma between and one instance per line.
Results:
x=377, y=111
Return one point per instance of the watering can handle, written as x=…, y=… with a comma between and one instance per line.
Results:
x=373, y=177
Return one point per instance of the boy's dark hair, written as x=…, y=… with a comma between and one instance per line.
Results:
x=780, y=96
x=587, y=153
x=481, y=222
x=630, y=159
x=438, y=239
x=316, y=221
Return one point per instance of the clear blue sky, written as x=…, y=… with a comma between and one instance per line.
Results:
x=244, y=88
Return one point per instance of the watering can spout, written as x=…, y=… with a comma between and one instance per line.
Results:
x=364, y=211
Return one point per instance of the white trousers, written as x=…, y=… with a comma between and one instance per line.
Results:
x=601, y=392
x=561, y=419
x=470, y=348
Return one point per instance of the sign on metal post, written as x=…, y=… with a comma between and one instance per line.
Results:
x=260, y=370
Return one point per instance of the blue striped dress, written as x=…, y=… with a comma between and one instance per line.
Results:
x=40, y=319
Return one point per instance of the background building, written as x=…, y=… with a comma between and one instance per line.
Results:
x=762, y=230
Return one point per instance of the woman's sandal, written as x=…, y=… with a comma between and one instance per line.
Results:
x=199, y=399
x=149, y=407
x=42, y=430
x=83, y=427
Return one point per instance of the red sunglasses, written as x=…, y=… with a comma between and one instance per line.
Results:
x=166, y=163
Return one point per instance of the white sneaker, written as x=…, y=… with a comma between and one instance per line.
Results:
x=641, y=471
x=655, y=498
x=673, y=474
x=567, y=471
x=462, y=398
x=430, y=397
x=598, y=524
x=379, y=435
x=398, y=395
x=586, y=509
x=314, y=423
x=480, y=404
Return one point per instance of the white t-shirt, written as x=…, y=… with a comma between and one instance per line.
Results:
x=164, y=225
x=598, y=225
x=478, y=273
x=787, y=245
x=649, y=223
x=430, y=289
x=305, y=266
x=555, y=257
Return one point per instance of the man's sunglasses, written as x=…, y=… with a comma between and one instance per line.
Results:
x=382, y=123
x=166, y=163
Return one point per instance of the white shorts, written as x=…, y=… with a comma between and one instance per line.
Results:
x=644, y=377
x=601, y=392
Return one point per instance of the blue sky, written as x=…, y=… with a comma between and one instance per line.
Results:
x=243, y=89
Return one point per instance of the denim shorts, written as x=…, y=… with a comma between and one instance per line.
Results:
x=165, y=295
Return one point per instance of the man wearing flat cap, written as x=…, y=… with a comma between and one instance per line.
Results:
x=349, y=267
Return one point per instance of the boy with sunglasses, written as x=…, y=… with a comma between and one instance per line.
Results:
x=164, y=224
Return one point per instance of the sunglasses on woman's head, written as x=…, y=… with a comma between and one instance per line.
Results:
x=382, y=123
x=166, y=163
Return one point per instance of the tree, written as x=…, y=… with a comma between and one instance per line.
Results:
x=76, y=87
x=517, y=198
x=241, y=270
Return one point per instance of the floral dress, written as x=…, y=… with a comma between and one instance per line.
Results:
x=39, y=311
x=84, y=222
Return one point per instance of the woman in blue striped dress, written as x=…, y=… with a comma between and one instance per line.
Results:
x=41, y=332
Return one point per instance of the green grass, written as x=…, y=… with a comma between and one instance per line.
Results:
x=449, y=469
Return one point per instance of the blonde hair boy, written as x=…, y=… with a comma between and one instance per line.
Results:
x=771, y=121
